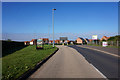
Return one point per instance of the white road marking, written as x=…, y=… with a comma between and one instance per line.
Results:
x=98, y=71
x=103, y=52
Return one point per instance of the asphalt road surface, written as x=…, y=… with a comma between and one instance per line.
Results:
x=66, y=63
x=106, y=64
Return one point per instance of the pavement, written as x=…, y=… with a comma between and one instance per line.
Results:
x=67, y=63
x=105, y=63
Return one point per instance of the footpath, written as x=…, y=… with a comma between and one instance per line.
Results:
x=67, y=63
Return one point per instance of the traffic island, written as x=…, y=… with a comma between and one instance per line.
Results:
x=31, y=71
x=24, y=61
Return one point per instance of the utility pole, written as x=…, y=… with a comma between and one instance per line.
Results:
x=53, y=24
x=48, y=33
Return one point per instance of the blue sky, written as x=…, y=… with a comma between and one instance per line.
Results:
x=71, y=19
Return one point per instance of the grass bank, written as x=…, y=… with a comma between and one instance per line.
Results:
x=102, y=46
x=9, y=47
x=15, y=64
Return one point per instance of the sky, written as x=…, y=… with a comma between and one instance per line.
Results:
x=27, y=20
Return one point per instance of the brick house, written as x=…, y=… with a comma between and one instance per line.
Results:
x=105, y=38
x=80, y=40
x=33, y=42
x=26, y=42
x=57, y=41
x=45, y=40
x=51, y=41
x=90, y=40
x=71, y=42
x=87, y=40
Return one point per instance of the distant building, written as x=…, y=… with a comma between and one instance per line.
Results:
x=105, y=38
x=51, y=41
x=90, y=40
x=27, y=42
x=71, y=42
x=80, y=40
x=33, y=42
x=68, y=41
x=45, y=40
x=63, y=39
x=87, y=40
x=57, y=41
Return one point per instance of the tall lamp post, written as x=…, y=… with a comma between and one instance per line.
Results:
x=53, y=24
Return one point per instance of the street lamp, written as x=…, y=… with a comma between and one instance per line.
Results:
x=53, y=24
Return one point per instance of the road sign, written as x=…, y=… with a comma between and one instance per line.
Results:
x=94, y=37
x=39, y=41
x=104, y=44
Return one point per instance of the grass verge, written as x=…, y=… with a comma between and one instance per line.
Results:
x=102, y=46
x=17, y=63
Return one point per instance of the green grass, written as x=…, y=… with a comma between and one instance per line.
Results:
x=114, y=46
x=15, y=64
x=94, y=45
x=101, y=46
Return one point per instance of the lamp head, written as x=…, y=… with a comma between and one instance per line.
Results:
x=54, y=9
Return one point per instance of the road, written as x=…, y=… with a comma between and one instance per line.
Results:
x=107, y=64
x=107, y=49
x=66, y=63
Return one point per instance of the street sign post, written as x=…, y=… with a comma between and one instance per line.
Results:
x=95, y=38
x=104, y=44
x=40, y=44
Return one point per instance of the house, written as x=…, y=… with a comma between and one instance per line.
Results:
x=45, y=40
x=51, y=41
x=63, y=39
x=33, y=42
x=80, y=40
x=90, y=40
x=105, y=38
x=57, y=41
x=68, y=41
x=27, y=42
x=71, y=42
x=87, y=40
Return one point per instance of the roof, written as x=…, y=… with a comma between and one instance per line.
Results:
x=50, y=41
x=87, y=39
x=63, y=38
x=44, y=39
x=72, y=41
x=32, y=39
x=105, y=37
x=68, y=41
x=90, y=39
x=81, y=38
x=57, y=40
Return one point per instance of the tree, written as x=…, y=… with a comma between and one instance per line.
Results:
x=9, y=40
